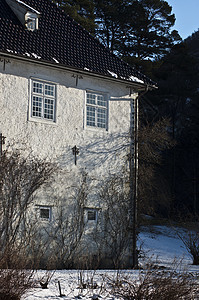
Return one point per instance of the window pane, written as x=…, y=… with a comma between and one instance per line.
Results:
x=92, y=215
x=90, y=117
x=90, y=98
x=45, y=213
x=31, y=24
x=49, y=90
x=101, y=101
x=37, y=87
x=49, y=109
x=101, y=118
x=37, y=106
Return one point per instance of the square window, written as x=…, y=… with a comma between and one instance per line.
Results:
x=37, y=88
x=92, y=215
x=49, y=90
x=43, y=100
x=96, y=110
x=45, y=213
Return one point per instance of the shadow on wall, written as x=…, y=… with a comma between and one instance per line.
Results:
x=104, y=154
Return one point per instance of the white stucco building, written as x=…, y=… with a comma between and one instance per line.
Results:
x=67, y=98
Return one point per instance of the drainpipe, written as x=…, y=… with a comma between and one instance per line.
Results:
x=134, y=176
x=2, y=142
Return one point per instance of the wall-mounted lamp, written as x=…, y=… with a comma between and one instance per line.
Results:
x=75, y=152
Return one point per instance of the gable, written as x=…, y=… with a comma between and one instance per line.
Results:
x=60, y=40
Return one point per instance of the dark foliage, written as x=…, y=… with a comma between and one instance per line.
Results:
x=177, y=99
x=138, y=28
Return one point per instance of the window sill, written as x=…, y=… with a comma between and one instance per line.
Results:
x=43, y=121
x=98, y=129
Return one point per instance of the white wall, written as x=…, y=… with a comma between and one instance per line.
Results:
x=101, y=152
x=55, y=140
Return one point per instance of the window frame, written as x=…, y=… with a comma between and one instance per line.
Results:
x=94, y=211
x=44, y=99
x=44, y=207
x=96, y=108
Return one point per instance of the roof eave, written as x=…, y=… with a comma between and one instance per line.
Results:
x=137, y=86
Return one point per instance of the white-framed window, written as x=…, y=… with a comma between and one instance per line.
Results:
x=45, y=213
x=43, y=100
x=32, y=20
x=96, y=110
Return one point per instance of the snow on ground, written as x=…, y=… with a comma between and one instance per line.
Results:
x=160, y=244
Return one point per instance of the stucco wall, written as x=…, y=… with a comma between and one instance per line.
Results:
x=57, y=139
x=101, y=152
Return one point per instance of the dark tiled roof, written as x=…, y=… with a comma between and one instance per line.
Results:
x=61, y=40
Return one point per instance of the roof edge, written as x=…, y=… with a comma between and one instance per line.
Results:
x=136, y=85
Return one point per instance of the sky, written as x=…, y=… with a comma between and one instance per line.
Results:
x=187, y=16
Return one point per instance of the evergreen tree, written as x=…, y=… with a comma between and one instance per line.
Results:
x=148, y=30
x=177, y=98
x=110, y=17
x=82, y=11
x=176, y=79
x=140, y=28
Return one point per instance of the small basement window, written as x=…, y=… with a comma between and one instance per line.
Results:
x=92, y=215
x=45, y=213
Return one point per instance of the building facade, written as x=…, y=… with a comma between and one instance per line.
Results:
x=65, y=98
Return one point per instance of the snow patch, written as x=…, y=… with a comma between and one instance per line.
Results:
x=86, y=69
x=35, y=55
x=133, y=78
x=11, y=51
x=161, y=244
x=55, y=60
x=113, y=74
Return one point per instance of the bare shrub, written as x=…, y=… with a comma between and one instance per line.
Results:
x=86, y=280
x=55, y=245
x=20, y=177
x=15, y=282
x=44, y=281
x=113, y=233
x=191, y=242
x=153, y=285
x=68, y=228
